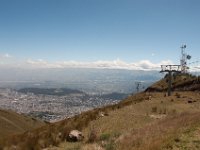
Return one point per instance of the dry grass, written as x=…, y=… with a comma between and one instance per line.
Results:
x=190, y=139
x=132, y=115
x=13, y=123
x=180, y=82
x=48, y=135
x=135, y=116
x=158, y=135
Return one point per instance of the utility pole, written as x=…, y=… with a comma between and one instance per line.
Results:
x=170, y=69
x=138, y=84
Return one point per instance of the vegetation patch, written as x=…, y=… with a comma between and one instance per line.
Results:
x=159, y=134
x=104, y=136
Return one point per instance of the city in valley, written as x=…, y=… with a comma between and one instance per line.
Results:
x=26, y=91
x=53, y=107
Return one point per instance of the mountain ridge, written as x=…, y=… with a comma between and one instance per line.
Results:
x=14, y=123
x=186, y=82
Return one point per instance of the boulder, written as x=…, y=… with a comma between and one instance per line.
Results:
x=149, y=98
x=102, y=114
x=75, y=136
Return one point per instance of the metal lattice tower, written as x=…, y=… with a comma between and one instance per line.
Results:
x=183, y=60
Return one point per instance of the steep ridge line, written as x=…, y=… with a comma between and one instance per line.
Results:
x=10, y=122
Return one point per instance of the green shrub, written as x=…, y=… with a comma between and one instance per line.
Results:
x=110, y=145
x=104, y=137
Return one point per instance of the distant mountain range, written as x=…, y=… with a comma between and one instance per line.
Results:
x=87, y=80
x=52, y=91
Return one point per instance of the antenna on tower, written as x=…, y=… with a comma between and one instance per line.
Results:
x=184, y=58
x=170, y=69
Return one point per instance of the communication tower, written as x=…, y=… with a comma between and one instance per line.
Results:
x=183, y=60
x=182, y=68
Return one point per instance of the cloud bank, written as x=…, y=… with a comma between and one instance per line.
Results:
x=115, y=64
x=6, y=60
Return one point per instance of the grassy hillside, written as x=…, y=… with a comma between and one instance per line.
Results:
x=144, y=121
x=13, y=123
x=180, y=82
x=48, y=135
x=152, y=124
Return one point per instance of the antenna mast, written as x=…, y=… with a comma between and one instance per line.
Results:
x=184, y=58
x=182, y=68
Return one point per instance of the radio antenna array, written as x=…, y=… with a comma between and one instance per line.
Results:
x=184, y=58
x=182, y=68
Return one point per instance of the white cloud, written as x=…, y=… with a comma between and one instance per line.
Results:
x=41, y=64
x=5, y=56
x=146, y=64
x=5, y=59
x=115, y=64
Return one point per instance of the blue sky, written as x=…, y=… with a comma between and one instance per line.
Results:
x=94, y=30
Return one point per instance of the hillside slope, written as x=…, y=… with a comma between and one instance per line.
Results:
x=180, y=82
x=145, y=121
x=156, y=124
x=13, y=123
